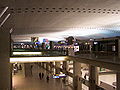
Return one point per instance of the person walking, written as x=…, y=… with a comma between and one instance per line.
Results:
x=85, y=76
x=31, y=69
x=40, y=76
x=47, y=78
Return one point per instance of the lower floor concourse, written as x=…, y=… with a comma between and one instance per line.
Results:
x=33, y=82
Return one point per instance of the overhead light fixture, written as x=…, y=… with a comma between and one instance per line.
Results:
x=4, y=20
x=36, y=59
x=27, y=53
x=5, y=9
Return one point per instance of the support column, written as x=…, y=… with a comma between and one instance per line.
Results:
x=11, y=68
x=28, y=69
x=93, y=77
x=42, y=64
x=71, y=51
x=119, y=48
x=47, y=66
x=51, y=68
x=65, y=68
x=118, y=80
x=5, y=79
x=77, y=84
x=57, y=65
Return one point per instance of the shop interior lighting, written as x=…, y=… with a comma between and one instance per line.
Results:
x=36, y=59
x=27, y=53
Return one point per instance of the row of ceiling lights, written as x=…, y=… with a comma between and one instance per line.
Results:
x=83, y=11
x=64, y=9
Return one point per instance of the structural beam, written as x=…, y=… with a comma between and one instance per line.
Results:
x=4, y=20
x=4, y=10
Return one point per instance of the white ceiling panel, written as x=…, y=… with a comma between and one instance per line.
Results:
x=62, y=18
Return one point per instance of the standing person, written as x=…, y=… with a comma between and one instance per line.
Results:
x=31, y=66
x=31, y=69
x=85, y=75
x=20, y=66
x=47, y=78
x=40, y=76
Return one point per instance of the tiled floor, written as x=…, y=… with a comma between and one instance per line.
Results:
x=34, y=83
x=107, y=78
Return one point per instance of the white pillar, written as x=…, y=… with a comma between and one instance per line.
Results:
x=28, y=70
x=51, y=67
x=5, y=77
x=57, y=65
x=65, y=65
x=93, y=77
x=77, y=84
x=65, y=68
x=43, y=64
x=47, y=66
x=40, y=64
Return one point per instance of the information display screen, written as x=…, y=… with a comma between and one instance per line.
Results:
x=59, y=76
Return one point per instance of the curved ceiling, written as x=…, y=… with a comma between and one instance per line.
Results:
x=57, y=19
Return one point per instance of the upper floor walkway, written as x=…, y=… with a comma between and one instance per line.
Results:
x=111, y=61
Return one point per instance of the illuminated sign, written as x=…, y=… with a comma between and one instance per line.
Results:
x=59, y=76
x=45, y=40
x=95, y=42
x=76, y=48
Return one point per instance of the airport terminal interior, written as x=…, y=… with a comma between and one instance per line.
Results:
x=59, y=45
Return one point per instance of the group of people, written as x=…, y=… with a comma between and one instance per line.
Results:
x=41, y=76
